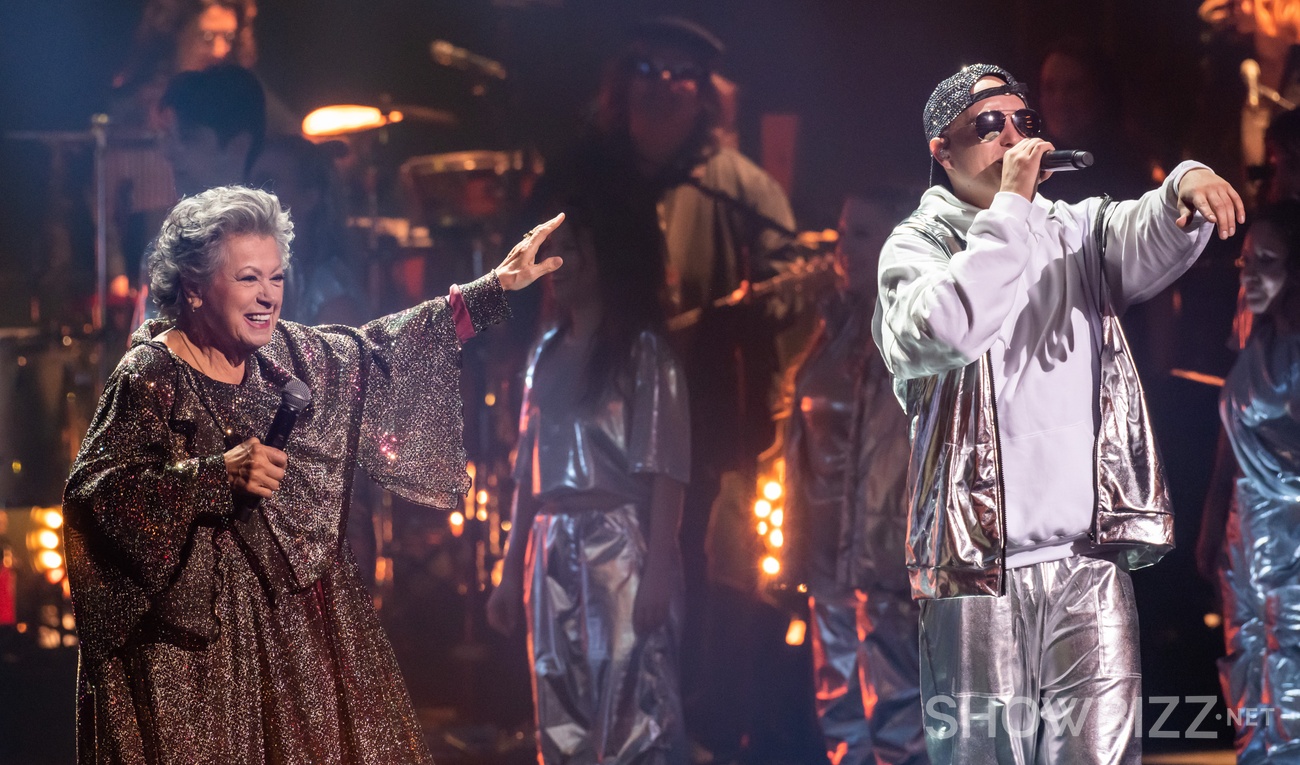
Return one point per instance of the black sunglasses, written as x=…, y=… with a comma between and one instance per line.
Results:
x=654, y=70
x=989, y=125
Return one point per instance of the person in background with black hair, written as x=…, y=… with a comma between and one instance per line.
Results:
x=215, y=123
x=214, y=126
x=603, y=461
x=661, y=122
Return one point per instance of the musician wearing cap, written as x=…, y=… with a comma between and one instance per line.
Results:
x=1035, y=482
x=221, y=616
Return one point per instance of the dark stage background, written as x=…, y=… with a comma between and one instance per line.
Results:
x=856, y=72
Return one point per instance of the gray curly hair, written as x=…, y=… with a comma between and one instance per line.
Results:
x=188, y=250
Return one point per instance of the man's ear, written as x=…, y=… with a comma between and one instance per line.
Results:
x=939, y=150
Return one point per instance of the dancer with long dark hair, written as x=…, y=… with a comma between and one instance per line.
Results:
x=603, y=461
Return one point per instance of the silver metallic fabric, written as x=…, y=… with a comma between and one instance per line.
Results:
x=204, y=640
x=846, y=462
x=846, y=525
x=957, y=523
x=1260, y=578
x=866, y=674
x=602, y=693
x=1048, y=674
x=568, y=449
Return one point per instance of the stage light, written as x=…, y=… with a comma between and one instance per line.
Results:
x=772, y=490
x=771, y=566
x=762, y=528
x=1213, y=620
x=457, y=519
x=506, y=525
x=794, y=634
x=498, y=569
x=49, y=559
x=777, y=517
x=55, y=575
x=762, y=508
x=120, y=287
x=52, y=517
x=47, y=539
x=346, y=118
x=490, y=399
x=481, y=515
x=482, y=497
x=777, y=539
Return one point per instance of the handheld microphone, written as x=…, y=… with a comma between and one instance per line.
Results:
x=1066, y=159
x=459, y=58
x=294, y=399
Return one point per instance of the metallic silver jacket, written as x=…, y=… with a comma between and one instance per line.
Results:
x=957, y=522
x=846, y=462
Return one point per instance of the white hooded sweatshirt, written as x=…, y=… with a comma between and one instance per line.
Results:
x=1025, y=289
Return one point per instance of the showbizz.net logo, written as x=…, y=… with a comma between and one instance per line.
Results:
x=1023, y=717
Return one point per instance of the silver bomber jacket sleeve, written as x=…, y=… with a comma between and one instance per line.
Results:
x=937, y=314
x=1145, y=249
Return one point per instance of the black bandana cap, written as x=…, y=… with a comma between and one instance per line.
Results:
x=953, y=96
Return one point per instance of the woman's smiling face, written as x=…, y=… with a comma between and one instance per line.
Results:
x=241, y=303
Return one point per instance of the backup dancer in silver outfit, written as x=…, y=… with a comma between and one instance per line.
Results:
x=603, y=460
x=846, y=517
x=1034, y=480
x=1258, y=564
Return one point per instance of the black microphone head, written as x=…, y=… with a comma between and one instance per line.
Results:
x=296, y=394
x=1066, y=159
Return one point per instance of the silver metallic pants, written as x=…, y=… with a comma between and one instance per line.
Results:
x=1048, y=673
x=602, y=693
x=1260, y=674
x=866, y=673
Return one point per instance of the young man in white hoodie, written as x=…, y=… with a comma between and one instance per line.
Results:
x=1034, y=481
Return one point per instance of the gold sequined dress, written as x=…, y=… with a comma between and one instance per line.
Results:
x=206, y=640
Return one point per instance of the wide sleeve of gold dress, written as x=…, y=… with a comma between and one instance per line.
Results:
x=208, y=640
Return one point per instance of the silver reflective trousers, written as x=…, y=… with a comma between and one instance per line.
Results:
x=1260, y=584
x=1047, y=674
x=865, y=666
x=602, y=693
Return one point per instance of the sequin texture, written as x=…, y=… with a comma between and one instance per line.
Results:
x=205, y=640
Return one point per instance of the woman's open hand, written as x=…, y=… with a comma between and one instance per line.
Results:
x=520, y=268
x=255, y=468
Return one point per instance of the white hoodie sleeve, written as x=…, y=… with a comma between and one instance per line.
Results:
x=936, y=314
x=1145, y=249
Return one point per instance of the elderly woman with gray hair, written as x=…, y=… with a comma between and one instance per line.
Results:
x=209, y=638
